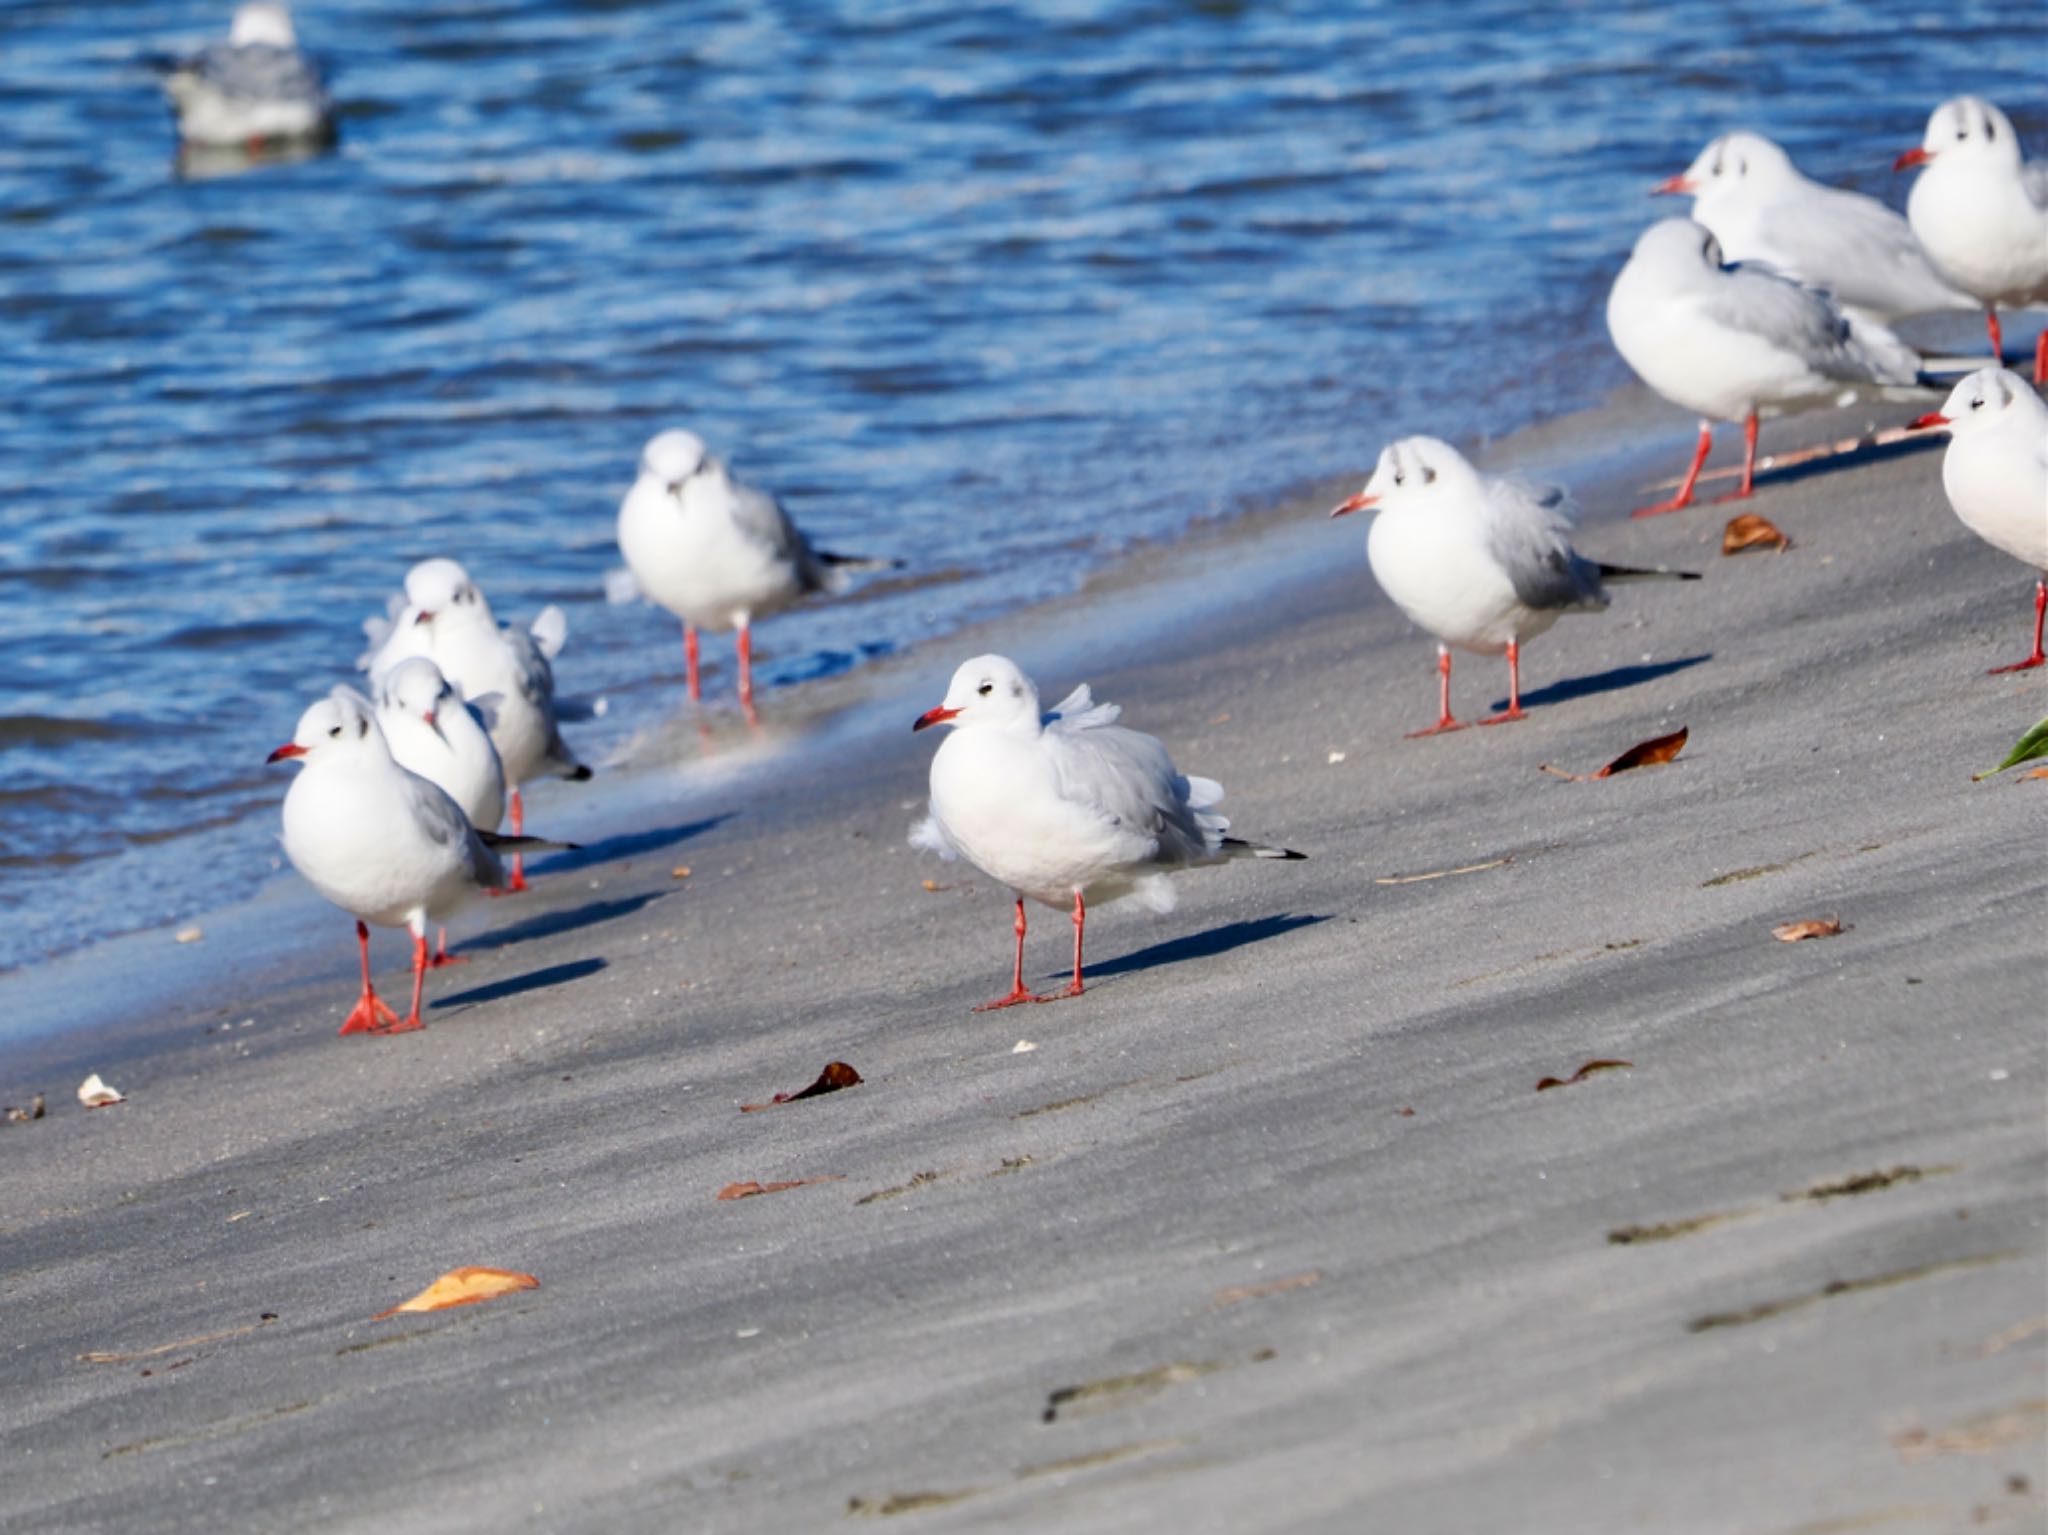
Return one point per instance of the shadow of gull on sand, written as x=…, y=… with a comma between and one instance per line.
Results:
x=1604, y=682
x=519, y=985
x=551, y=922
x=1218, y=940
x=630, y=845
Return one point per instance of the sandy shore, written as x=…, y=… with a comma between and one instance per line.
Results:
x=1270, y=1231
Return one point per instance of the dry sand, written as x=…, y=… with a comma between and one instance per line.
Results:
x=1270, y=1231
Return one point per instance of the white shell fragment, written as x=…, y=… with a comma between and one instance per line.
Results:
x=95, y=1094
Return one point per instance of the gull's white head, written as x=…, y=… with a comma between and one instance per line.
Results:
x=1967, y=128
x=1678, y=247
x=987, y=691
x=672, y=457
x=262, y=24
x=416, y=687
x=339, y=726
x=435, y=587
x=1415, y=472
x=1734, y=166
x=1983, y=401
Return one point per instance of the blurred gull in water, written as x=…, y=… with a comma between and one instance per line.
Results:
x=252, y=92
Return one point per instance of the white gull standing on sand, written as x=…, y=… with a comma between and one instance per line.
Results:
x=504, y=670
x=432, y=732
x=383, y=844
x=1481, y=562
x=1065, y=807
x=1980, y=210
x=1747, y=190
x=254, y=90
x=1732, y=343
x=1996, y=474
x=716, y=552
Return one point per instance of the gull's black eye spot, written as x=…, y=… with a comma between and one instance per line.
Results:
x=1428, y=476
x=335, y=731
x=985, y=689
x=1400, y=479
x=1742, y=167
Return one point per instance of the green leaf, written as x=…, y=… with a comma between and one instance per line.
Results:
x=2031, y=745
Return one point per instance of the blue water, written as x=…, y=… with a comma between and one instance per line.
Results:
x=995, y=289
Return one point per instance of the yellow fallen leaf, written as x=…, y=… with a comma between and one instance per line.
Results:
x=680, y=871
x=463, y=1287
x=1813, y=927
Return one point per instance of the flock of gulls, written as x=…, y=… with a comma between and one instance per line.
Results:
x=1776, y=296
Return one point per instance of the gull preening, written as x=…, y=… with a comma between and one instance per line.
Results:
x=1996, y=474
x=1732, y=343
x=1481, y=562
x=716, y=552
x=383, y=844
x=433, y=732
x=1746, y=189
x=1065, y=807
x=1980, y=210
x=253, y=91
x=505, y=670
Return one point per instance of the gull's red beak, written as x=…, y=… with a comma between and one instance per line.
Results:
x=1922, y=423
x=428, y=716
x=1911, y=158
x=937, y=716
x=423, y=618
x=1672, y=186
x=289, y=749
x=1357, y=503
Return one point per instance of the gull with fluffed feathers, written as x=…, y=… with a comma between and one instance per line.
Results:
x=1746, y=189
x=716, y=552
x=1065, y=807
x=254, y=90
x=1980, y=211
x=384, y=844
x=1732, y=343
x=1996, y=474
x=434, y=732
x=1480, y=561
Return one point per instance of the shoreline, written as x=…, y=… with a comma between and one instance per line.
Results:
x=1271, y=1229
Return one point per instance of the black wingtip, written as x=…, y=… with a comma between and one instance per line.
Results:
x=581, y=775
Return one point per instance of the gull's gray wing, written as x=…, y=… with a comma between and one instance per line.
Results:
x=445, y=825
x=257, y=72
x=2034, y=181
x=1528, y=530
x=1127, y=778
x=761, y=518
x=1805, y=321
x=1079, y=711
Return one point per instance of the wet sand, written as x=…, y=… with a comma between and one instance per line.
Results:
x=1271, y=1230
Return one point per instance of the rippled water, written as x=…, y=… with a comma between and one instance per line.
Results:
x=996, y=289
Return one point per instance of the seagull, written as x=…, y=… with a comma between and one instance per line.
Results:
x=1749, y=193
x=1981, y=213
x=715, y=552
x=253, y=91
x=1736, y=342
x=1063, y=807
x=483, y=660
x=1996, y=474
x=383, y=844
x=432, y=732
x=1481, y=562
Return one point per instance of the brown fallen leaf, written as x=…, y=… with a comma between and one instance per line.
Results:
x=933, y=887
x=463, y=1287
x=750, y=1189
x=2039, y=772
x=22, y=1116
x=835, y=1076
x=1581, y=1074
x=1750, y=531
x=1813, y=927
x=680, y=871
x=1232, y=1294
x=1654, y=752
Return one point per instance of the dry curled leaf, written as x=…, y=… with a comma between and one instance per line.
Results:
x=1813, y=927
x=463, y=1287
x=835, y=1076
x=933, y=887
x=1581, y=1074
x=680, y=871
x=1750, y=531
x=95, y=1094
x=749, y=1189
x=1654, y=752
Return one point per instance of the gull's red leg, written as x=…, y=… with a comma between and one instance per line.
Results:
x=419, y=980
x=1748, y=461
x=518, y=826
x=1080, y=925
x=1017, y=990
x=690, y=658
x=1692, y=477
x=746, y=649
x=370, y=1015
x=1997, y=337
x=1514, y=708
x=2041, y=356
x=441, y=955
x=2040, y=613
x=1444, y=721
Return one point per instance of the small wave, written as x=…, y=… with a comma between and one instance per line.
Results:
x=48, y=730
